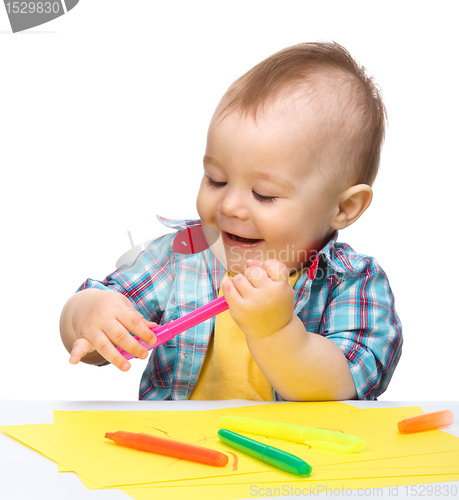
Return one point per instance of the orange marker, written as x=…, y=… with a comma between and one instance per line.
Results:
x=163, y=446
x=426, y=421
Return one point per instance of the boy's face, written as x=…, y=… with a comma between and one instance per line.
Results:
x=263, y=188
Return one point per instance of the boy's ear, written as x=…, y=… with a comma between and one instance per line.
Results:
x=351, y=205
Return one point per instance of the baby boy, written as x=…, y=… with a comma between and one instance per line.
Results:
x=292, y=151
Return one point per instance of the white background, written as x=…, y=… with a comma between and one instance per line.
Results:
x=103, y=120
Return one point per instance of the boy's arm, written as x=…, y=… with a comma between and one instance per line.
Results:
x=354, y=353
x=300, y=366
x=303, y=366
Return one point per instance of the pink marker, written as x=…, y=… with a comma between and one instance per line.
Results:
x=166, y=332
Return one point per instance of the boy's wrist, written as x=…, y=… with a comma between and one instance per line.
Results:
x=262, y=332
x=279, y=335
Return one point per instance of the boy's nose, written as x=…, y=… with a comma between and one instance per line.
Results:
x=233, y=205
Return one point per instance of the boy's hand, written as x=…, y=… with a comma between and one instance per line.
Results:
x=103, y=319
x=261, y=301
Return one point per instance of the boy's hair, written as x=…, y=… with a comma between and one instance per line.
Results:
x=329, y=73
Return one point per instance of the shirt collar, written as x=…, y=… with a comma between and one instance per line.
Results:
x=325, y=252
x=178, y=223
x=335, y=255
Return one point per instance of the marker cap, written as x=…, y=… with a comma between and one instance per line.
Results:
x=268, y=454
x=286, y=461
x=426, y=421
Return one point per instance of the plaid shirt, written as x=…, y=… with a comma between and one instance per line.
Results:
x=346, y=298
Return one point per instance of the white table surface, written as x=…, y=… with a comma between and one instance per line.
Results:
x=44, y=482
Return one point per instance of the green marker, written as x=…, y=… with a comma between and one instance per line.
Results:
x=268, y=454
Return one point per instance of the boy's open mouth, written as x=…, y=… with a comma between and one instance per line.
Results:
x=229, y=237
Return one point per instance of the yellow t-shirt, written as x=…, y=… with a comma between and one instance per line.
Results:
x=229, y=371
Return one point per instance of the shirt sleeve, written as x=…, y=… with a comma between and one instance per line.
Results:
x=147, y=281
x=361, y=320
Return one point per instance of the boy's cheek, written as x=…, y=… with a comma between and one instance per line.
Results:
x=203, y=204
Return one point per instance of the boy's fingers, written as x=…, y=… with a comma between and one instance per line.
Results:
x=118, y=334
x=251, y=263
x=81, y=347
x=273, y=268
x=111, y=354
x=276, y=270
x=135, y=323
x=256, y=275
x=237, y=287
x=151, y=326
x=230, y=291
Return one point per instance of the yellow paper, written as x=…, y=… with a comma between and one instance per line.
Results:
x=391, y=468
x=385, y=443
x=76, y=442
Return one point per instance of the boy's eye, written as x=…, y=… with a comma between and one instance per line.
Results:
x=259, y=197
x=263, y=199
x=215, y=183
